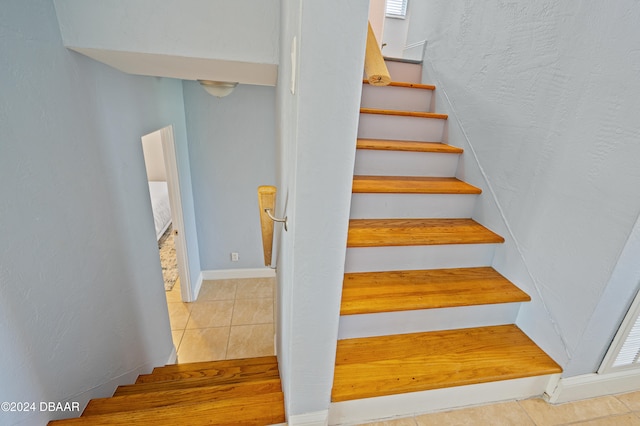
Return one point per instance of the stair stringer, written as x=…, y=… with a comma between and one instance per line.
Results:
x=534, y=318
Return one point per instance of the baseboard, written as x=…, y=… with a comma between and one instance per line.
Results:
x=594, y=385
x=385, y=408
x=317, y=418
x=173, y=358
x=226, y=274
x=105, y=390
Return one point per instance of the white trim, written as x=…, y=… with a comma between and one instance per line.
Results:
x=630, y=319
x=317, y=418
x=415, y=403
x=594, y=385
x=226, y=274
x=173, y=357
x=175, y=199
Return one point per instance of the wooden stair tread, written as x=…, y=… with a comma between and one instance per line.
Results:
x=404, y=113
x=226, y=376
x=407, y=84
x=391, y=291
x=158, y=399
x=411, y=146
x=412, y=232
x=412, y=185
x=251, y=410
x=206, y=365
x=223, y=370
x=388, y=365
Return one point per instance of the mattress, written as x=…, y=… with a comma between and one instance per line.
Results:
x=161, y=207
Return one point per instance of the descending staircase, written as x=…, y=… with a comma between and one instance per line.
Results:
x=232, y=392
x=426, y=322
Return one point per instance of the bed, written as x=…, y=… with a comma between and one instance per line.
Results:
x=161, y=207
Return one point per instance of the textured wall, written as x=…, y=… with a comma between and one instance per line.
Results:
x=82, y=306
x=316, y=149
x=232, y=152
x=546, y=96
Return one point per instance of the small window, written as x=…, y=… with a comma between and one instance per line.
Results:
x=396, y=9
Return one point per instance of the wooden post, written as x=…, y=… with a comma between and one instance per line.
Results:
x=374, y=66
x=266, y=200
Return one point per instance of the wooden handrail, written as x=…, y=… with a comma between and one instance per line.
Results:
x=374, y=66
x=266, y=200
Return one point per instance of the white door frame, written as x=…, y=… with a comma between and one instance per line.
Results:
x=175, y=200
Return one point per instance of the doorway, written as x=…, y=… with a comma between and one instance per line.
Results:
x=164, y=186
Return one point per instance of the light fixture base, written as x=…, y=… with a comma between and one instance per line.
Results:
x=218, y=89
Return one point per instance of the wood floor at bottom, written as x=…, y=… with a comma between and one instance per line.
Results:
x=231, y=392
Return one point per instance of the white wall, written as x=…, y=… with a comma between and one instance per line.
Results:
x=232, y=150
x=82, y=306
x=316, y=149
x=154, y=157
x=545, y=97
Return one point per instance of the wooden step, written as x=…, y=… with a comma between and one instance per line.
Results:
x=412, y=185
x=207, y=369
x=159, y=399
x=411, y=146
x=407, y=84
x=256, y=410
x=174, y=381
x=375, y=292
x=413, y=232
x=418, y=114
x=396, y=364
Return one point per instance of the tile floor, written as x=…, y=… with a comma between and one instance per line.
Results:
x=618, y=410
x=231, y=319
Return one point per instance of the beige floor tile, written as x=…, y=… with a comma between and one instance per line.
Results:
x=203, y=344
x=254, y=288
x=174, y=294
x=210, y=313
x=246, y=341
x=178, y=314
x=546, y=414
x=252, y=311
x=218, y=290
x=623, y=420
x=176, y=336
x=399, y=422
x=631, y=400
x=501, y=414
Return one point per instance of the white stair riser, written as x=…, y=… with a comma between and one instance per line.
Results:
x=381, y=126
x=402, y=405
x=404, y=163
x=401, y=71
x=402, y=258
x=403, y=206
x=403, y=322
x=396, y=97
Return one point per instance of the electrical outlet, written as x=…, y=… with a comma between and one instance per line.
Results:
x=235, y=257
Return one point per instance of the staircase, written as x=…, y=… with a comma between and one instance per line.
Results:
x=426, y=323
x=232, y=392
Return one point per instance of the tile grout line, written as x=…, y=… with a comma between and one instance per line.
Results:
x=235, y=298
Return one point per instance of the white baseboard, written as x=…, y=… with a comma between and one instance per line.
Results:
x=173, y=357
x=392, y=407
x=317, y=418
x=226, y=274
x=594, y=385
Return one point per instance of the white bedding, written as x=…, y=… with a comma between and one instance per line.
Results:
x=161, y=208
